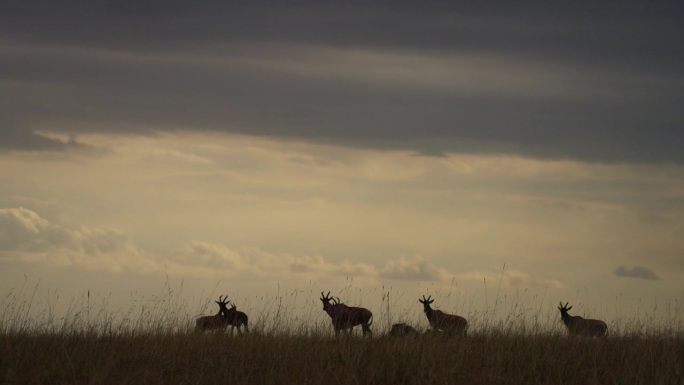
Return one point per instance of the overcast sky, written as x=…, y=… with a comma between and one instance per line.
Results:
x=251, y=147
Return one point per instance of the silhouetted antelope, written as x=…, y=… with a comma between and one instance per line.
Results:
x=214, y=322
x=580, y=326
x=236, y=318
x=346, y=317
x=439, y=320
x=403, y=330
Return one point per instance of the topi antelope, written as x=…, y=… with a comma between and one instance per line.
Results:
x=236, y=318
x=580, y=326
x=439, y=320
x=214, y=322
x=346, y=317
x=402, y=330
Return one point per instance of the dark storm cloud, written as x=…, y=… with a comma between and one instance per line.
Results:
x=638, y=272
x=610, y=85
x=12, y=138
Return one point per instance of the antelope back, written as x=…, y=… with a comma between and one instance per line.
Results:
x=402, y=329
x=210, y=322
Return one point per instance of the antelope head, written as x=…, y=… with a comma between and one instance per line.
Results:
x=426, y=303
x=564, y=310
x=222, y=304
x=325, y=298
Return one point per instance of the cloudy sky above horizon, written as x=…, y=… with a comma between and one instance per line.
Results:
x=249, y=147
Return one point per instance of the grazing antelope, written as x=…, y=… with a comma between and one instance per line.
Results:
x=236, y=318
x=439, y=320
x=213, y=322
x=402, y=330
x=581, y=326
x=346, y=317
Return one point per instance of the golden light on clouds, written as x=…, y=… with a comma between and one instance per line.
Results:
x=257, y=212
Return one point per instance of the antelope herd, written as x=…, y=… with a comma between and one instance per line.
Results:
x=345, y=317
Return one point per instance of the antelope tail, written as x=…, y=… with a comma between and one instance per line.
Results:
x=371, y=321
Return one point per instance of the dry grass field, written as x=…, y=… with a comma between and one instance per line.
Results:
x=88, y=347
x=213, y=358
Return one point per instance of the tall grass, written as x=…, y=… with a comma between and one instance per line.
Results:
x=487, y=358
x=292, y=343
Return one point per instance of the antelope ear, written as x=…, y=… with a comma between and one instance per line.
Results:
x=217, y=302
x=569, y=308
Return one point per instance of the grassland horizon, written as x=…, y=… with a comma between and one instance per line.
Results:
x=28, y=309
x=154, y=342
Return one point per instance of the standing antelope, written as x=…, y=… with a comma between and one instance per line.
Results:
x=580, y=326
x=213, y=322
x=439, y=320
x=236, y=318
x=346, y=317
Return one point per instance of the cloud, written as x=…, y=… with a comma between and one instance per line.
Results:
x=24, y=230
x=212, y=255
x=24, y=139
x=416, y=268
x=25, y=235
x=638, y=272
x=433, y=79
x=518, y=278
x=510, y=278
x=260, y=263
x=205, y=258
